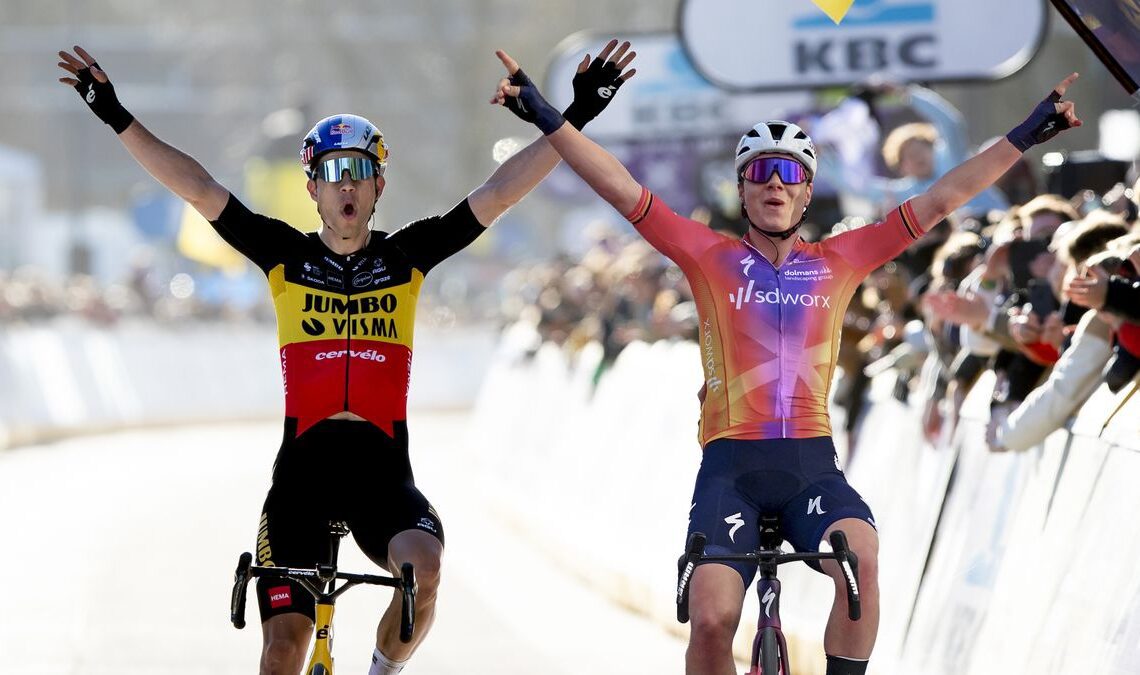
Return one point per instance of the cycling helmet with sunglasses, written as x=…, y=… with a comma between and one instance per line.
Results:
x=343, y=132
x=776, y=136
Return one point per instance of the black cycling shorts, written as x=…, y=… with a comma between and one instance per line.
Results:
x=338, y=470
x=798, y=480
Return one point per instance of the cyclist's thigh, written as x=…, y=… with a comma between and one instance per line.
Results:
x=727, y=517
x=291, y=534
x=826, y=499
x=385, y=501
x=388, y=512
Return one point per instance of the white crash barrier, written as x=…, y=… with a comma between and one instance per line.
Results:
x=989, y=563
x=71, y=377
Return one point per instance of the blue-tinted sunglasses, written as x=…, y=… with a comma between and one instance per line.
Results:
x=358, y=168
x=760, y=170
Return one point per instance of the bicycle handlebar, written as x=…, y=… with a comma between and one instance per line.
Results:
x=841, y=553
x=406, y=582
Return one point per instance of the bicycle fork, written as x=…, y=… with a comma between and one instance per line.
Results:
x=321, y=662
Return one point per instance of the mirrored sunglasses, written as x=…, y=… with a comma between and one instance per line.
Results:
x=760, y=170
x=358, y=168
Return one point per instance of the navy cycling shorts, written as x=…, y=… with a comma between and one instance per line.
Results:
x=797, y=479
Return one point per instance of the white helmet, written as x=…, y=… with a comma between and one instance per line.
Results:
x=776, y=136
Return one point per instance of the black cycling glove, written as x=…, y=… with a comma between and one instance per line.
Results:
x=594, y=88
x=100, y=97
x=530, y=106
x=1041, y=125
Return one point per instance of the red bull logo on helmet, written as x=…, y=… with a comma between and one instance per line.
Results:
x=341, y=129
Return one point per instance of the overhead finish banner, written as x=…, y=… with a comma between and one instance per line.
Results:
x=756, y=45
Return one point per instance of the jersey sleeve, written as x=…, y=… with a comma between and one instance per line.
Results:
x=430, y=241
x=259, y=238
x=868, y=247
x=680, y=239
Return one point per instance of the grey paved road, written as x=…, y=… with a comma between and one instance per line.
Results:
x=116, y=556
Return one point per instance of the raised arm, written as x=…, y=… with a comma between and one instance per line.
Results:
x=969, y=178
x=176, y=170
x=593, y=163
x=595, y=84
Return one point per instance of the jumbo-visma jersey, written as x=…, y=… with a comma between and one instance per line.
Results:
x=769, y=337
x=345, y=322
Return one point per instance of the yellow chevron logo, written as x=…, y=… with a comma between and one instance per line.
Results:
x=835, y=9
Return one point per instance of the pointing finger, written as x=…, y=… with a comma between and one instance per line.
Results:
x=510, y=64
x=1064, y=85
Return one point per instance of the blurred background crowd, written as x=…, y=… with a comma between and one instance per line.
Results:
x=1033, y=280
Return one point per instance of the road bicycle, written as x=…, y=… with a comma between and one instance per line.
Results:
x=769, y=649
x=320, y=581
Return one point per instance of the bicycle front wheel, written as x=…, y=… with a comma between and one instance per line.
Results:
x=766, y=655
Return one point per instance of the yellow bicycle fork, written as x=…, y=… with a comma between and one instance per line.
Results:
x=321, y=662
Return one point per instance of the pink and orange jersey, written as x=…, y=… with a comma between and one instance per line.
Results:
x=769, y=337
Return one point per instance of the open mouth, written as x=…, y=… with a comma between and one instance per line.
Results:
x=348, y=210
x=773, y=202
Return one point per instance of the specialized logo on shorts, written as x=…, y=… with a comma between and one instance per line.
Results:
x=737, y=522
x=813, y=505
x=280, y=596
x=427, y=524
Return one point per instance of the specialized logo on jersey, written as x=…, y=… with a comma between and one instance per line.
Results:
x=746, y=264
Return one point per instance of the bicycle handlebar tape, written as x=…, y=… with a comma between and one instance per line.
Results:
x=408, y=604
x=849, y=566
x=1041, y=125
x=101, y=99
x=685, y=567
x=237, y=598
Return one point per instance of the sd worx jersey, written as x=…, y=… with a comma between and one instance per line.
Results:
x=344, y=322
x=769, y=336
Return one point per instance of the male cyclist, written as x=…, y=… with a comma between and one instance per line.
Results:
x=770, y=308
x=345, y=301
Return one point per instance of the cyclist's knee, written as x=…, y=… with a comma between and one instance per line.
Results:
x=712, y=625
x=283, y=655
